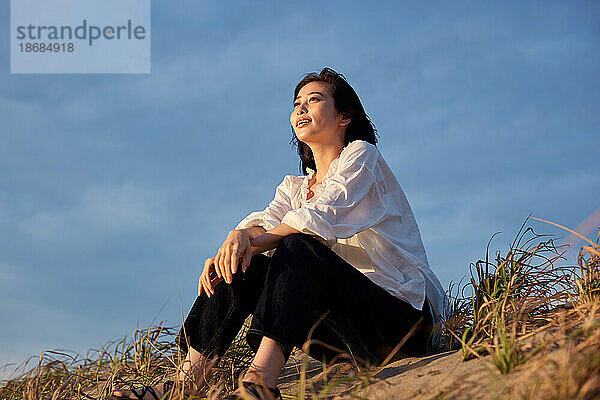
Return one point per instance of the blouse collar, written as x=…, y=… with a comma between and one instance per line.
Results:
x=319, y=187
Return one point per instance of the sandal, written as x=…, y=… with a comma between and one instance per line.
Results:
x=256, y=390
x=167, y=387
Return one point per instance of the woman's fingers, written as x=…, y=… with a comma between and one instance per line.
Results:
x=205, y=288
x=219, y=263
x=230, y=259
x=208, y=286
x=209, y=277
x=225, y=265
x=235, y=259
x=201, y=278
x=247, y=259
x=222, y=262
x=231, y=253
x=235, y=249
x=205, y=283
x=247, y=253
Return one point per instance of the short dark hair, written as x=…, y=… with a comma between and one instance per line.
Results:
x=347, y=103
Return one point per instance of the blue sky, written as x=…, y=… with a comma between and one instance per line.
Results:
x=115, y=188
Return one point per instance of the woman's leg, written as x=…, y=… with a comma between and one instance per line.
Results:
x=195, y=371
x=370, y=336
x=307, y=281
x=267, y=364
x=212, y=324
x=304, y=283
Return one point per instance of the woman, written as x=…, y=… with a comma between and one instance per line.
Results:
x=336, y=256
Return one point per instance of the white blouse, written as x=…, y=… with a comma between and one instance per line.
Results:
x=361, y=213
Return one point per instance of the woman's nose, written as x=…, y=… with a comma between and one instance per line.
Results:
x=301, y=109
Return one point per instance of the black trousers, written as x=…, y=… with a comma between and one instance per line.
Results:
x=305, y=282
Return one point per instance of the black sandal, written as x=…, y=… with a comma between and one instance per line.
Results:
x=256, y=390
x=167, y=387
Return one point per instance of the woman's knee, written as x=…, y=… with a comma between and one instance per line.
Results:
x=295, y=243
x=294, y=251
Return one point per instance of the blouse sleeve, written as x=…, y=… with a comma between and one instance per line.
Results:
x=350, y=202
x=271, y=216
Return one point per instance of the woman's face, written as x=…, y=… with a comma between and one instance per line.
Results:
x=314, y=118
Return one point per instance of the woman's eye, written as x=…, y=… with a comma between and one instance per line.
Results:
x=312, y=98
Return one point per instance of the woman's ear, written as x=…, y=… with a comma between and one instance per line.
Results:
x=344, y=121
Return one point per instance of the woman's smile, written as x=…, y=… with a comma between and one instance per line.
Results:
x=302, y=122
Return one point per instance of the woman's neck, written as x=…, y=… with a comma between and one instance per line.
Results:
x=324, y=155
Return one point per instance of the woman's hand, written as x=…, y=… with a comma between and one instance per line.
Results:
x=208, y=279
x=234, y=249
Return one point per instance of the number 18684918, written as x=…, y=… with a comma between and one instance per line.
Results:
x=47, y=47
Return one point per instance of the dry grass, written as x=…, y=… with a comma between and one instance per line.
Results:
x=566, y=360
x=510, y=297
x=502, y=312
x=517, y=297
x=148, y=357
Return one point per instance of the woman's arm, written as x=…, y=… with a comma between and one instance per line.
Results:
x=270, y=239
x=254, y=231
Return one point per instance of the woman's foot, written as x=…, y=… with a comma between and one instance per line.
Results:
x=251, y=390
x=145, y=393
x=157, y=392
x=260, y=381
